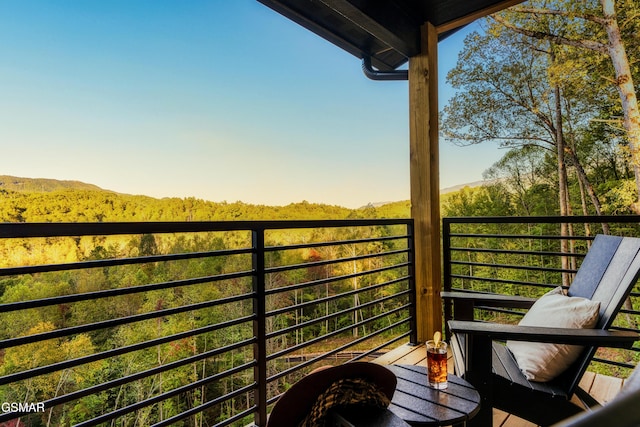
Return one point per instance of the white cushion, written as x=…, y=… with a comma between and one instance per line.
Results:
x=542, y=361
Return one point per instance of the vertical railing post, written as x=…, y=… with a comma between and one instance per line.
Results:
x=413, y=337
x=446, y=272
x=259, y=327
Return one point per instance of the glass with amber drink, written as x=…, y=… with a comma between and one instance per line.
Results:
x=437, y=364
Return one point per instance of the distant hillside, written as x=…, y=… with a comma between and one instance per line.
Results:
x=402, y=206
x=51, y=200
x=461, y=186
x=42, y=185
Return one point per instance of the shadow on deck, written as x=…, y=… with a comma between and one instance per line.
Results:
x=603, y=388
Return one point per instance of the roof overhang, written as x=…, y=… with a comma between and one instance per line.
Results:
x=386, y=31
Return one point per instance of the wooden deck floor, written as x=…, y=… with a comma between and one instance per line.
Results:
x=601, y=387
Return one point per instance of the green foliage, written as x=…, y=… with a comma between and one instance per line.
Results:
x=618, y=197
x=532, y=94
x=41, y=185
x=488, y=200
x=85, y=205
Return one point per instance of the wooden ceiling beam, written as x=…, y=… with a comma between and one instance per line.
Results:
x=481, y=13
x=386, y=31
x=302, y=17
x=383, y=21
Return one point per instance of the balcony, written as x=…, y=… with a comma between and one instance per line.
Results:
x=208, y=323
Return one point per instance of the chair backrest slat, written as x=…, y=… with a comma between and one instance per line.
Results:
x=626, y=266
x=594, y=266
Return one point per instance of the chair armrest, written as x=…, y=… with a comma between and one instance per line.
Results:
x=464, y=303
x=586, y=337
x=489, y=300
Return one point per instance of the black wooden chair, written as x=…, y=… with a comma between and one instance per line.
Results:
x=622, y=411
x=607, y=274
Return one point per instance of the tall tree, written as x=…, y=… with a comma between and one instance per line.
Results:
x=595, y=28
x=507, y=96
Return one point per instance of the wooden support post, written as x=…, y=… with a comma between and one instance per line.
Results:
x=425, y=182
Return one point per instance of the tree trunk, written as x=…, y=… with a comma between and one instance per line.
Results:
x=584, y=182
x=356, y=298
x=563, y=194
x=583, y=203
x=623, y=78
x=624, y=83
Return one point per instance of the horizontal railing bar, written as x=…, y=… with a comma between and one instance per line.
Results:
x=157, y=397
x=577, y=219
x=42, y=370
x=236, y=417
x=515, y=267
x=334, y=351
x=334, y=297
x=332, y=261
x=613, y=362
x=378, y=347
x=460, y=228
x=336, y=314
x=163, y=396
x=334, y=243
x=620, y=328
x=349, y=310
x=499, y=310
x=291, y=349
x=144, y=374
x=112, y=262
x=334, y=279
x=495, y=280
x=626, y=311
x=22, y=305
x=206, y=405
x=137, y=376
x=347, y=328
x=518, y=252
x=518, y=236
x=12, y=342
x=61, y=229
x=322, y=319
x=373, y=350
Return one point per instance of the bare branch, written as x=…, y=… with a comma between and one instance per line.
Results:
x=537, y=11
x=630, y=19
x=584, y=44
x=609, y=79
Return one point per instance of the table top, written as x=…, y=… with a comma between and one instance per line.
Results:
x=421, y=405
x=373, y=417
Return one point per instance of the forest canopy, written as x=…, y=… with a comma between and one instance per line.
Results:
x=48, y=200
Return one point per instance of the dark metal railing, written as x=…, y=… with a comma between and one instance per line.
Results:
x=528, y=256
x=198, y=323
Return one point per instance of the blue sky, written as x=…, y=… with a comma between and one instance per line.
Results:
x=215, y=99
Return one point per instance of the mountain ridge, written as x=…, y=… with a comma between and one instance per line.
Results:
x=46, y=185
x=43, y=185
